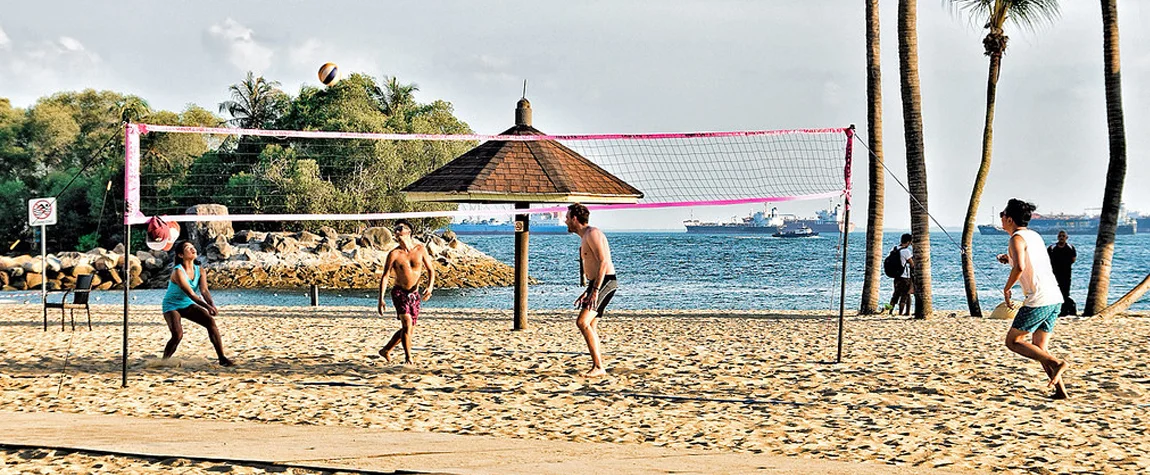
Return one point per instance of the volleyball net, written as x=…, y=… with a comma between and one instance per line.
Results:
x=284, y=175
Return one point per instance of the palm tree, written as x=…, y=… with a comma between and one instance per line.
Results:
x=1116, y=172
x=132, y=109
x=915, y=153
x=397, y=98
x=994, y=14
x=874, y=247
x=256, y=103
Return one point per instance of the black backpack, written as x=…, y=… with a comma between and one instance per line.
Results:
x=892, y=265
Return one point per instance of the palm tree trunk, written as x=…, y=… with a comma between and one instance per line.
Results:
x=1116, y=172
x=976, y=193
x=1123, y=303
x=874, y=248
x=915, y=153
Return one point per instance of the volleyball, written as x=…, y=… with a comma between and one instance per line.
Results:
x=328, y=74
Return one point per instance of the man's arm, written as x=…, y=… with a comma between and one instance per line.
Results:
x=387, y=266
x=597, y=246
x=430, y=266
x=1015, y=252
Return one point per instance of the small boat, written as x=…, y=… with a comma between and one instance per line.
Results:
x=802, y=232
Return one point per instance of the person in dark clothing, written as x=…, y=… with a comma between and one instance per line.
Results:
x=1062, y=257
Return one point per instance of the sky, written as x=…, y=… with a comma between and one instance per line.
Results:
x=633, y=66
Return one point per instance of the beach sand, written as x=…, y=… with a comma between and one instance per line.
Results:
x=938, y=393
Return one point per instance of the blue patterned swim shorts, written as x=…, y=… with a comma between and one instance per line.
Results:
x=1031, y=319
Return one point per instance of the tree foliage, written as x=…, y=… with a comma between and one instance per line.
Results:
x=71, y=144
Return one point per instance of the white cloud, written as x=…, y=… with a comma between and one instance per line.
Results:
x=239, y=43
x=71, y=44
x=28, y=67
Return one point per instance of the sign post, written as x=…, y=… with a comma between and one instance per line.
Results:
x=42, y=212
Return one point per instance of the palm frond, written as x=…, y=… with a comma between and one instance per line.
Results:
x=1026, y=14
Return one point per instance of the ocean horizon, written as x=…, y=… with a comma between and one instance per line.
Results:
x=681, y=271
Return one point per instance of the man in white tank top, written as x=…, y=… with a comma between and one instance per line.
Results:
x=1030, y=266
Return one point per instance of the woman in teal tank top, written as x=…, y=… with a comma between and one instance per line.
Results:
x=188, y=297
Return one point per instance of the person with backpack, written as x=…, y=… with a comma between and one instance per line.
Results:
x=898, y=265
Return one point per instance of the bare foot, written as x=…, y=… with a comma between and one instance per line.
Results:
x=1059, y=389
x=1056, y=377
x=227, y=362
x=408, y=363
x=385, y=355
x=595, y=373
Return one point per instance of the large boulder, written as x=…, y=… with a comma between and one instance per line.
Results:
x=378, y=238
x=246, y=236
x=150, y=261
x=279, y=244
x=33, y=266
x=220, y=250
x=203, y=233
x=347, y=245
x=325, y=245
x=104, y=261
x=135, y=267
x=69, y=260
x=82, y=269
x=307, y=239
x=54, y=264
x=329, y=232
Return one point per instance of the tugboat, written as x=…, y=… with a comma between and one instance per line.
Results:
x=802, y=232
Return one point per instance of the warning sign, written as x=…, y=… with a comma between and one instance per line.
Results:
x=42, y=211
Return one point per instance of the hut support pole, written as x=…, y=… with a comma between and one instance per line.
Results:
x=522, y=231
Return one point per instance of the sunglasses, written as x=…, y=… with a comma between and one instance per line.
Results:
x=399, y=228
x=1002, y=214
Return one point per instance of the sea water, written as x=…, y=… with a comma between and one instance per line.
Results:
x=676, y=270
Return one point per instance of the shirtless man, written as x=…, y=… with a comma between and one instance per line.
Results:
x=407, y=262
x=600, y=272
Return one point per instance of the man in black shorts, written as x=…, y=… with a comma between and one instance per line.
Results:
x=600, y=271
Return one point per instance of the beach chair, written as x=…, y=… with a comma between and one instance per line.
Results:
x=79, y=300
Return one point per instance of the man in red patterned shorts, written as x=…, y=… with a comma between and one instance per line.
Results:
x=408, y=262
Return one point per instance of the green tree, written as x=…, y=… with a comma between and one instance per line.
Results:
x=256, y=103
x=51, y=132
x=993, y=14
x=875, y=191
x=14, y=195
x=368, y=174
x=397, y=98
x=915, y=154
x=1099, y=286
x=14, y=160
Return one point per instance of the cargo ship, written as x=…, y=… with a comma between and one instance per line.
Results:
x=1079, y=224
x=540, y=224
x=760, y=222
